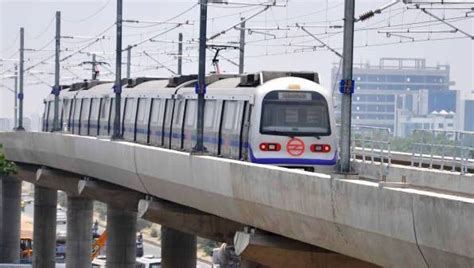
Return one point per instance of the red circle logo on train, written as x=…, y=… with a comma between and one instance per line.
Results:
x=295, y=147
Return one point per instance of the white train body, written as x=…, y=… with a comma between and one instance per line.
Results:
x=266, y=118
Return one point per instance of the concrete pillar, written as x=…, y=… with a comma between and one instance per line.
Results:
x=121, y=243
x=11, y=223
x=44, y=229
x=178, y=249
x=79, y=232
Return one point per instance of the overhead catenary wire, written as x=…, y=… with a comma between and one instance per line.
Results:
x=240, y=22
x=285, y=40
x=320, y=41
x=161, y=65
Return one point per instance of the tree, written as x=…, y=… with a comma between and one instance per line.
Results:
x=6, y=167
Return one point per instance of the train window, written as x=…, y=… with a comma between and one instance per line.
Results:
x=77, y=109
x=142, y=103
x=85, y=109
x=130, y=109
x=295, y=114
x=95, y=109
x=230, y=108
x=191, y=117
x=169, y=111
x=209, y=111
x=66, y=110
x=51, y=112
x=105, y=104
x=179, y=111
x=112, y=112
x=155, y=111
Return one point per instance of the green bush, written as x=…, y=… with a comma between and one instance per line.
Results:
x=208, y=245
x=6, y=167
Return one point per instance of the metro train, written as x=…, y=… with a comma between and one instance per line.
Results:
x=276, y=118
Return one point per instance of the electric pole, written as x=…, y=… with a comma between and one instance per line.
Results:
x=57, y=88
x=117, y=133
x=346, y=86
x=15, y=120
x=201, y=87
x=180, y=54
x=22, y=70
x=242, y=46
x=129, y=60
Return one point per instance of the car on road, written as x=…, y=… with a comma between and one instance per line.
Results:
x=99, y=262
x=148, y=261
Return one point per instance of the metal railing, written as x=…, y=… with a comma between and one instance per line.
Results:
x=371, y=144
x=443, y=149
x=433, y=149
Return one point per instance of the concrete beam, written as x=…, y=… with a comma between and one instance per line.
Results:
x=121, y=244
x=389, y=226
x=178, y=249
x=49, y=177
x=276, y=251
x=79, y=230
x=111, y=194
x=44, y=228
x=189, y=220
x=11, y=223
x=26, y=172
x=58, y=180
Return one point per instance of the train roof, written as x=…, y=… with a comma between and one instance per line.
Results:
x=169, y=85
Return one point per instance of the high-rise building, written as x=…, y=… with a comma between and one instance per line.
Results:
x=465, y=101
x=397, y=85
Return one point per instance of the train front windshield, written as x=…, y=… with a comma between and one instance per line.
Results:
x=295, y=113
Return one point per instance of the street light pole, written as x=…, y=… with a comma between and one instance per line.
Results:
x=347, y=86
x=117, y=133
x=57, y=88
x=201, y=86
x=22, y=71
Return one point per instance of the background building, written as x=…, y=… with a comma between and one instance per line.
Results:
x=465, y=106
x=397, y=90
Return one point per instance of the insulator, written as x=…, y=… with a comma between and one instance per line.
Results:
x=366, y=15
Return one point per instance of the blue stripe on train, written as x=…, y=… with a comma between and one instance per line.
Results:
x=292, y=161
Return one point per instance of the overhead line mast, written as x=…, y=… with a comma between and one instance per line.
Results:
x=346, y=86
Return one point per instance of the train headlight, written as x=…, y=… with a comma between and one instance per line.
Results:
x=320, y=148
x=270, y=147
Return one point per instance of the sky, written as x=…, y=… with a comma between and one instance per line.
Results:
x=273, y=42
